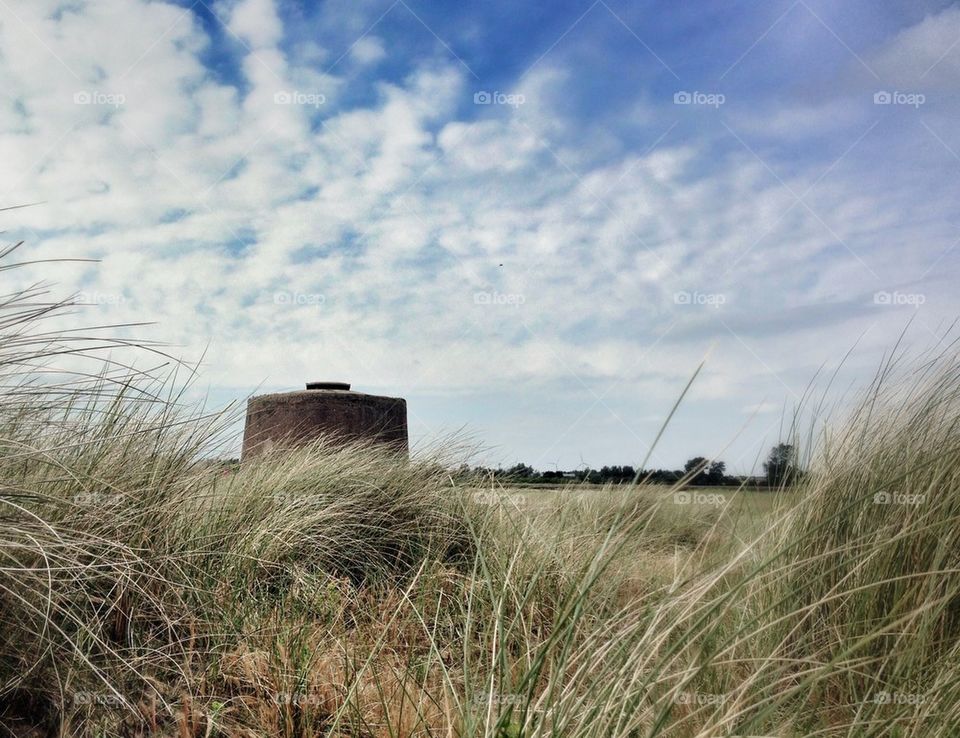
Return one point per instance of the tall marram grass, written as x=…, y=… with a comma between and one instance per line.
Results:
x=146, y=590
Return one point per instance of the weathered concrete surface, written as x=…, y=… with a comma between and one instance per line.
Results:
x=292, y=418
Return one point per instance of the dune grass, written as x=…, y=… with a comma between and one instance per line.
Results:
x=339, y=591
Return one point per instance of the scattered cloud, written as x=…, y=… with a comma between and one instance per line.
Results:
x=368, y=50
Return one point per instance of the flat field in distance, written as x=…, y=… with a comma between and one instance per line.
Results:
x=743, y=512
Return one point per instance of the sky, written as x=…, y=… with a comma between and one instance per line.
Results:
x=533, y=221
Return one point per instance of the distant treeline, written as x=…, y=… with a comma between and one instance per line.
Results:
x=779, y=469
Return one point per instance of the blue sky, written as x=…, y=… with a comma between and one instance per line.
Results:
x=532, y=221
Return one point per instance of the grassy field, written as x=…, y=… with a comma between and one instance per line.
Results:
x=339, y=592
x=742, y=512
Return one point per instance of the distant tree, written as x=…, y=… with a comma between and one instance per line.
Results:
x=664, y=476
x=521, y=471
x=703, y=472
x=717, y=473
x=617, y=474
x=695, y=468
x=699, y=470
x=781, y=465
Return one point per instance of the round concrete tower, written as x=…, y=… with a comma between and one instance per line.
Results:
x=324, y=408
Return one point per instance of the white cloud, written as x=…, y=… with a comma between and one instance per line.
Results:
x=924, y=54
x=489, y=145
x=367, y=50
x=256, y=23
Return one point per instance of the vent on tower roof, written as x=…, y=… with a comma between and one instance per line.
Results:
x=328, y=385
